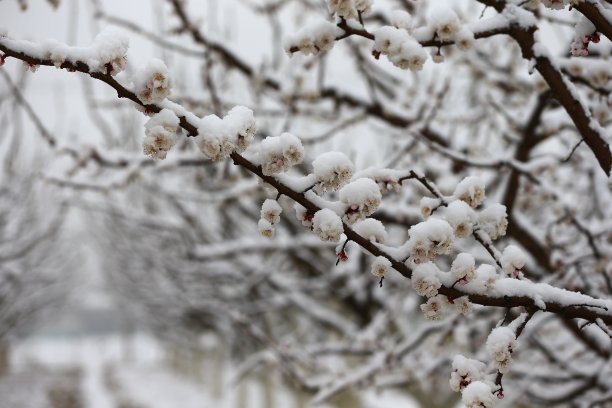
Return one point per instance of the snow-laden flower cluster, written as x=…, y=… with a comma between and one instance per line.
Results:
x=332, y=170
x=152, y=82
x=371, y=229
x=313, y=38
x=429, y=238
x=465, y=371
x=461, y=217
x=513, y=260
x=487, y=274
x=434, y=308
x=107, y=54
x=500, y=344
x=380, y=266
x=444, y=22
x=494, y=220
x=402, y=50
x=585, y=33
x=470, y=190
x=160, y=134
x=327, y=225
x=361, y=197
x=271, y=211
x=463, y=268
x=478, y=395
x=425, y=280
x=242, y=127
x=349, y=8
x=464, y=39
x=218, y=138
x=278, y=153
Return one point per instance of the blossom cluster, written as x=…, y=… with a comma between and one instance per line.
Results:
x=401, y=49
x=218, y=138
x=327, y=225
x=152, y=83
x=278, y=153
x=160, y=134
x=500, y=344
x=313, y=38
x=361, y=198
x=332, y=171
x=429, y=239
x=348, y=9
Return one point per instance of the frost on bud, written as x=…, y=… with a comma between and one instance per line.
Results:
x=361, y=197
x=241, y=126
x=494, y=221
x=429, y=238
x=444, y=22
x=464, y=40
x=500, y=344
x=278, y=154
x=461, y=217
x=380, y=266
x=478, y=395
x=332, y=170
x=512, y=261
x=327, y=225
x=271, y=211
x=213, y=138
x=265, y=228
x=371, y=229
x=160, y=134
x=433, y=309
x=425, y=279
x=463, y=268
x=465, y=371
x=471, y=190
x=152, y=82
x=428, y=204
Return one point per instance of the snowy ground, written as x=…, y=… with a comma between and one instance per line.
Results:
x=117, y=372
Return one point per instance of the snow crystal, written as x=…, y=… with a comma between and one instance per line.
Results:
x=327, y=225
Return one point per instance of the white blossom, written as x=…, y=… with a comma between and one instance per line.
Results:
x=271, y=211
x=361, y=197
x=371, y=229
x=152, y=82
x=512, y=261
x=241, y=126
x=493, y=220
x=434, y=308
x=461, y=217
x=265, y=228
x=380, y=266
x=327, y=225
x=463, y=267
x=425, y=279
x=465, y=371
x=278, y=154
x=160, y=134
x=214, y=139
x=500, y=344
x=471, y=190
x=478, y=395
x=429, y=238
x=332, y=170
